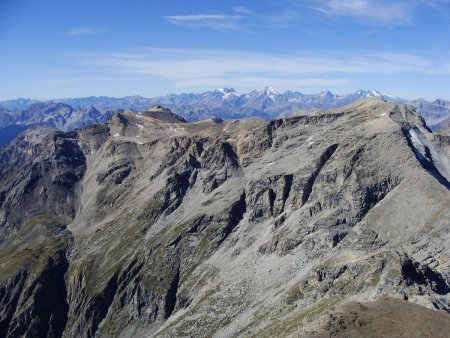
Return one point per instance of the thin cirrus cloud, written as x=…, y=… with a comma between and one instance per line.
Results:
x=84, y=31
x=373, y=12
x=244, y=20
x=257, y=81
x=185, y=68
x=382, y=13
x=220, y=22
x=284, y=17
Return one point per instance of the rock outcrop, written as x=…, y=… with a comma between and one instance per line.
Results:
x=151, y=226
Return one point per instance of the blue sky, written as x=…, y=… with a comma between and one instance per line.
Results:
x=57, y=49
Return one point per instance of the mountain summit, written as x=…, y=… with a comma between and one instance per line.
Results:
x=223, y=103
x=306, y=226
x=163, y=114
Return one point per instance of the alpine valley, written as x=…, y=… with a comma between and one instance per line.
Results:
x=186, y=223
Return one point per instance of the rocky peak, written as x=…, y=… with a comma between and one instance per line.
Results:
x=158, y=108
x=270, y=91
x=162, y=114
x=238, y=228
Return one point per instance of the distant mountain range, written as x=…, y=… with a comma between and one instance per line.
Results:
x=225, y=103
x=17, y=115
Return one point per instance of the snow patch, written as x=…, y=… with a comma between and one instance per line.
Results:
x=418, y=146
x=116, y=135
x=311, y=143
x=227, y=93
x=270, y=91
x=384, y=114
x=375, y=93
x=415, y=138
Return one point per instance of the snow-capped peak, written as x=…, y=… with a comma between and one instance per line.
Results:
x=270, y=91
x=375, y=93
x=327, y=93
x=368, y=93
x=227, y=92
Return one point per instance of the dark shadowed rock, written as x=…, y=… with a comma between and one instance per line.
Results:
x=150, y=226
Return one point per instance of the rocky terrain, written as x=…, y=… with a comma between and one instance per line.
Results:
x=444, y=128
x=224, y=103
x=435, y=113
x=58, y=115
x=335, y=223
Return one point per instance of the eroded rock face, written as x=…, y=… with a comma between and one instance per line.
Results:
x=40, y=180
x=144, y=227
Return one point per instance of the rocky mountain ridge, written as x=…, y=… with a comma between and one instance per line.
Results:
x=225, y=103
x=143, y=226
x=55, y=114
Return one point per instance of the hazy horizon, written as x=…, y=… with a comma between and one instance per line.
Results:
x=202, y=92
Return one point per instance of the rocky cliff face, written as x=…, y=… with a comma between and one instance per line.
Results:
x=143, y=227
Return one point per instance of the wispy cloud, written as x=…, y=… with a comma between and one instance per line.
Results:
x=84, y=31
x=262, y=81
x=187, y=68
x=242, y=19
x=176, y=63
x=220, y=22
x=376, y=12
x=283, y=17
